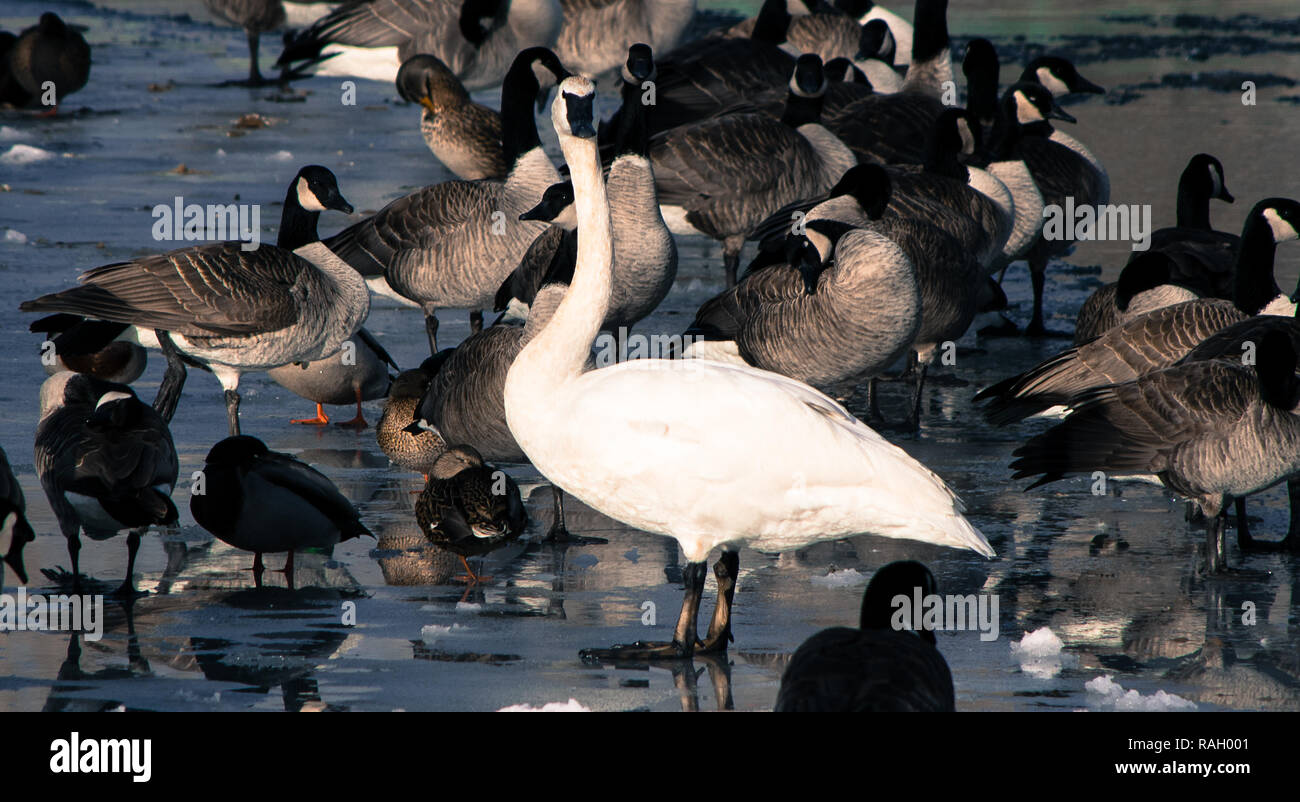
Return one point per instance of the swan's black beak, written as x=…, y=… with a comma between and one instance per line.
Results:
x=1058, y=113
x=579, y=110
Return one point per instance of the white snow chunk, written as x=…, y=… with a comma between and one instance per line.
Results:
x=15, y=236
x=839, y=579
x=24, y=154
x=1112, y=694
x=1039, y=653
x=571, y=706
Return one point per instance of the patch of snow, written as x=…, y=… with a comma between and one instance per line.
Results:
x=847, y=578
x=1111, y=694
x=24, y=154
x=571, y=706
x=1039, y=653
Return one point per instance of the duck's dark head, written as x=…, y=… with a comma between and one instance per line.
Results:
x=424, y=79
x=454, y=461
x=240, y=449
x=902, y=578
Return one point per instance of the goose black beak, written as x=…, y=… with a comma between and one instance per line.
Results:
x=339, y=205
x=1084, y=85
x=1058, y=113
x=1225, y=195
x=541, y=211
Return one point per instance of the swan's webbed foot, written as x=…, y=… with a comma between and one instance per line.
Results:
x=640, y=651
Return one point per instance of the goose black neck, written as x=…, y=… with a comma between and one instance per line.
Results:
x=802, y=109
x=1255, y=286
x=1004, y=140
x=631, y=134
x=942, y=159
x=981, y=70
x=1275, y=366
x=297, y=225
x=930, y=30
x=772, y=24
x=518, y=125
x=1193, y=202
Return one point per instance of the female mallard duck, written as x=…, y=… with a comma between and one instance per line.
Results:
x=469, y=507
x=415, y=451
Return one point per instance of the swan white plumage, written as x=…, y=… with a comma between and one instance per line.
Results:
x=648, y=443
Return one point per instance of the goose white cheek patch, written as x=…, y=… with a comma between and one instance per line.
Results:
x=307, y=198
x=1054, y=85
x=1282, y=230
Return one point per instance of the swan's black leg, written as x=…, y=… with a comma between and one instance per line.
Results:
x=1216, y=547
x=169, y=391
x=725, y=571
x=232, y=411
x=684, y=636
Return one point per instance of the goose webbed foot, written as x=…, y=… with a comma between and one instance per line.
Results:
x=638, y=652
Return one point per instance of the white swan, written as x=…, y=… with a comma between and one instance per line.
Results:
x=659, y=444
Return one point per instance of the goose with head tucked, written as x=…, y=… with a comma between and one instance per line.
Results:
x=876, y=667
x=450, y=245
x=476, y=39
x=263, y=501
x=227, y=307
x=106, y=462
x=682, y=420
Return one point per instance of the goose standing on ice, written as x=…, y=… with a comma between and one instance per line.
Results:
x=47, y=54
x=476, y=39
x=687, y=479
x=1199, y=258
x=469, y=507
x=723, y=176
x=264, y=501
x=106, y=462
x=231, y=309
x=358, y=372
x=450, y=245
x=645, y=254
x=465, y=136
x=1212, y=431
x=874, y=668
x=256, y=17
x=596, y=34
x=13, y=517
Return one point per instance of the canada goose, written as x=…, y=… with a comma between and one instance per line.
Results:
x=464, y=402
x=689, y=480
x=1162, y=336
x=595, y=36
x=230, y=309
x=1146, y=283
x=358, y=372
x=1062, y=168
x=469, y=507
x=13, y=518
x=899, y=28
x=413, y=450
x=119, y=361
x=723, y=176
x=1211, y=431
x=450, y=245
x=264, y=501
x=256, y=17
x=465, y=136
x=49, y=55
x=793, y=318
x=876, y=667
x=645, y=254
x=106, y=462
x=817, y=28
x=476, y=39
x=1199, y=258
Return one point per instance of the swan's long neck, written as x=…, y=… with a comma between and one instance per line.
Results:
x=559, y=352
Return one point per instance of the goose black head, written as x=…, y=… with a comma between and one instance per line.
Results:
x=545, y=66
x=876, y=41
x=424, y=79
x=556, y=206
x=1027, y=103
x=1059, y=76
x=1147, y=271
x=574, y=108
x=904, y=578
x=316, y=189
x=809, y=78
x=115, y=409
x=854, y=8
x=843, y=70
x=455, y=461
x=980, y=55
x=869, y=185
x=640, y=65
x=1205, y=173
x=477, y=19
x=240, y=449
x=802, y=255
x=1275, y=364
x=956, y=134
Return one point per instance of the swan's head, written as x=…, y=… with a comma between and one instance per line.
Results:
x=316, y=190
x=869, y=185
x=904, y=578
x=640, y=66
x=1282, y=216
x=1059, y=76
x=1206, y=172
x=573, y=111
x=876, y=41
x=1027, y=102
x=555, y=207
x=424, y=79
x=809, y=77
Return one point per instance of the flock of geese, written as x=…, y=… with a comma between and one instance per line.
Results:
x=883, y=219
